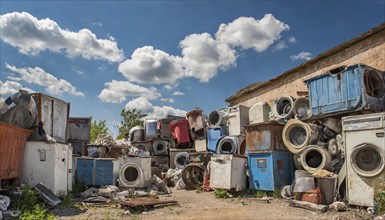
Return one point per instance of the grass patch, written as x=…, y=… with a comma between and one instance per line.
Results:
x=379, y=197
x=67, y=201
x=27, y=200
x=277, y=193
x=36, y=213
x=261, y=193
x=30, y=206
x=222, y=194
x=134, y=217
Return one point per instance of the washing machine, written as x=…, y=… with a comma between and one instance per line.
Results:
x=365, y=155
x=232, y=145
x=160, y=147
x=134, y=172
x=179, y=158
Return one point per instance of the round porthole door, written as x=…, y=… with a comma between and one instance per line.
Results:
x=367, y=160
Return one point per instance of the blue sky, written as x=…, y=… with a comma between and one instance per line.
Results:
x=165, y=57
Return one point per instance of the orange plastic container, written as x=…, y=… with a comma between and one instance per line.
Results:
x=12, y=143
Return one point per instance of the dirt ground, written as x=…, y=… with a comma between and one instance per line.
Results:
x=203, y=205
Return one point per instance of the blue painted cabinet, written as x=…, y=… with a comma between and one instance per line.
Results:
x=84, y=170
x=348, y=89
x=96, y=172
x=270, y=170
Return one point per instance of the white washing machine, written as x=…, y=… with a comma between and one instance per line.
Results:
x=232, y=145
x=365, y=156
x=134, y=172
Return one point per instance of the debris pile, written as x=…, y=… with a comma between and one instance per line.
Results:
x=317, y=149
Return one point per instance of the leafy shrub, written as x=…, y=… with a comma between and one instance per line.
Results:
x=222, y=193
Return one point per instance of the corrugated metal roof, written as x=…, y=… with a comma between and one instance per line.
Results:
x=255, y=86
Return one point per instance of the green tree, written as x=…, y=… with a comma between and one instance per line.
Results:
x=97, y=128
x=131, y=118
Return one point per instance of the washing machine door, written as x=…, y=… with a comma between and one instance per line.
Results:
x=130, y=175
x=367, y=160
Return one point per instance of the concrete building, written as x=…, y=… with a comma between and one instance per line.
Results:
x=368, y=48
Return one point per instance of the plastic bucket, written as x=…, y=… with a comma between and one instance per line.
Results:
x=179, y=131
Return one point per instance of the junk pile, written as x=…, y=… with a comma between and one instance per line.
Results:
x=335, y=136
x=318, y=148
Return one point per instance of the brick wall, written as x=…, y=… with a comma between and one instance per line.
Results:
x=370, y=51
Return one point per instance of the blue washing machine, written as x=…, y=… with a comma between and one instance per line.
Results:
x=213, y=137
x=271, y=170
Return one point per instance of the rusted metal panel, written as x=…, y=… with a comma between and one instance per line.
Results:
x=264, y=136
x=53, y=113
x=12, y=143
x=79, y=128
x=135, y=202
x=197, y=122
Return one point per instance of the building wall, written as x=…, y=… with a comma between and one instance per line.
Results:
x=370, y=51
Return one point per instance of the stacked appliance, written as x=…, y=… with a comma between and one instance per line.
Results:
x=47, y=155
x=228, y=172
x=225, y=134
x=269, y=162
x=49, y=164
x=365, y=156
x=134, y=172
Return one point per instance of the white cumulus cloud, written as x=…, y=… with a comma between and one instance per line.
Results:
x=292, y=40
x=203, y=56
x=31, y=36
x=8, y=88
x=148, y=65
x=117, y=91
x=247, y=32
x=178, y=93
x=171, y=100
x=39, y=77
x=146, y=107
x=167, y=87
x=301, y=56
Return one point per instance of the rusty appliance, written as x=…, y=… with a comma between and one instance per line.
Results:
x=52, y=118
x=265, y=136
x=12, y=144
x=79, y=129
x=270, y=170
x=347, y=89
x=365, y=156
x=228, y=172
x=197, y=122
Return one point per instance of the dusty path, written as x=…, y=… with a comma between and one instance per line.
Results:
x=204, y=205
